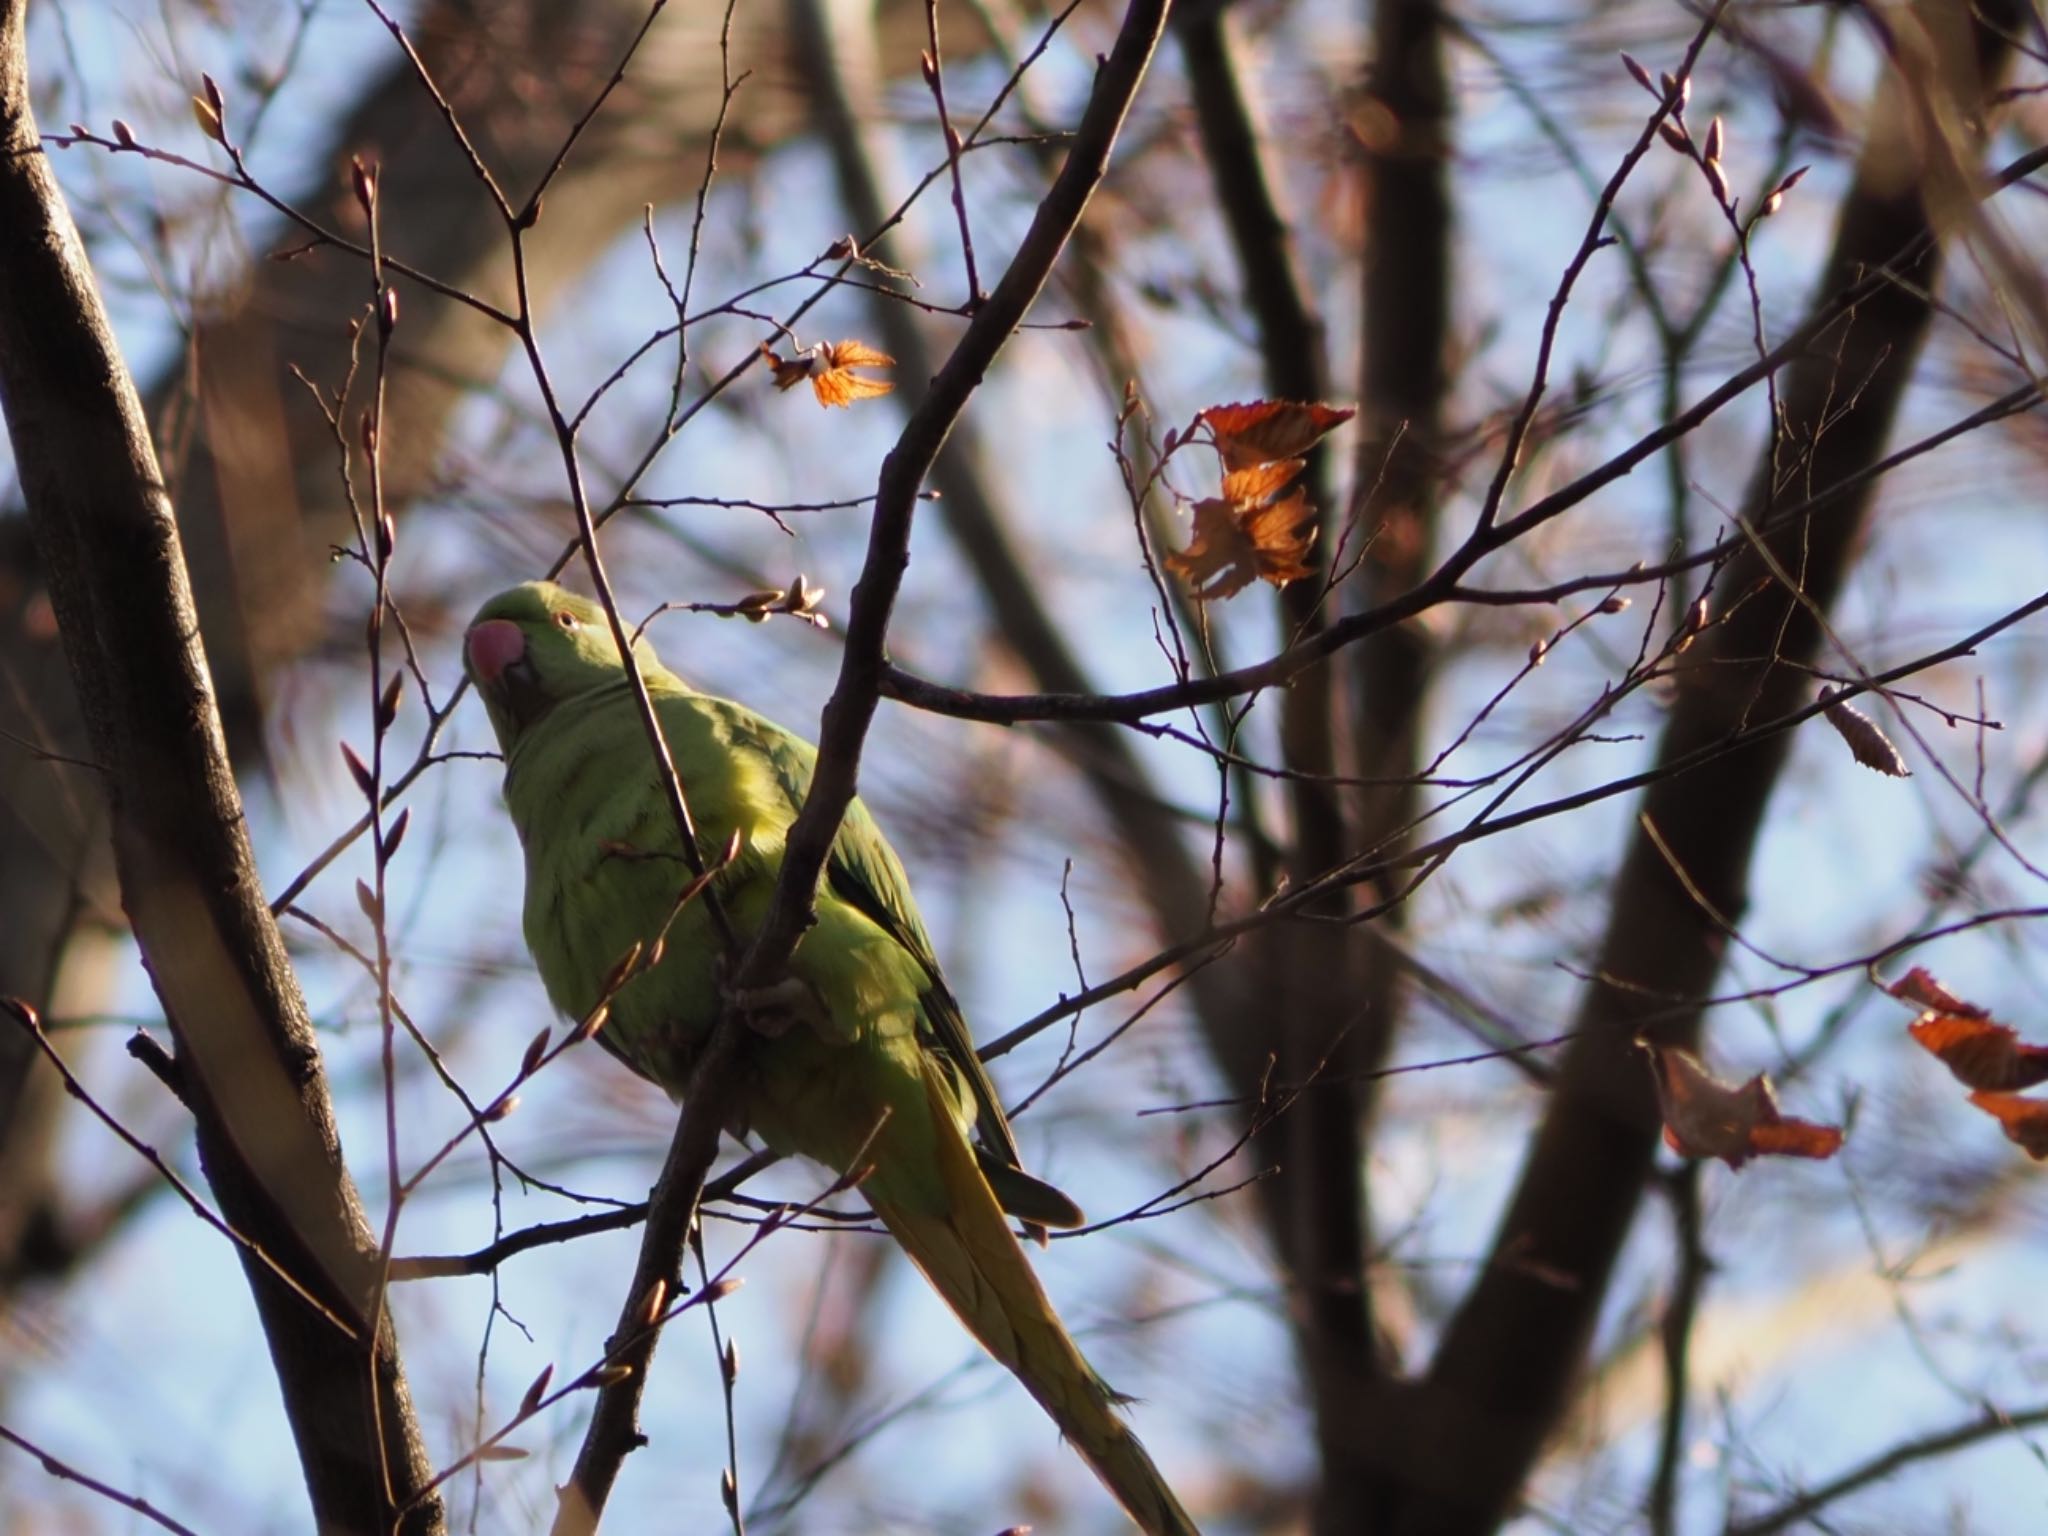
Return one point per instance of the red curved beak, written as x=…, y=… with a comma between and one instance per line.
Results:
x=493, y=646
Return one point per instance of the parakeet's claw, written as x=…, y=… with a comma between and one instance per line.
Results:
x=770, y=1011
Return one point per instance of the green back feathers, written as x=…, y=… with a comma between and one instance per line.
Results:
x=562, y=704
x=881, y=1070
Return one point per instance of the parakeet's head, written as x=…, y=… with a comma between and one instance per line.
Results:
x=530, y=648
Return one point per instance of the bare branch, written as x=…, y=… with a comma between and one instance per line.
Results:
x=266, y=1132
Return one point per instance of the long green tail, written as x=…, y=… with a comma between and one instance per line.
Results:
x=975, y=1264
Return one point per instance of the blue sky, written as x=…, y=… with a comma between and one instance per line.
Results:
x=151, y=1375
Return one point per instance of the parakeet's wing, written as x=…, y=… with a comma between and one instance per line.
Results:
x=864, y=872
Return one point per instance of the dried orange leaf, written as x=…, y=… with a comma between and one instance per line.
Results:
x=855, y=354
x=829, y=367
x=2024, y=1120
x=1281, y=533
x=1979, y=1053
x=1260, y=431
x=1234, y=544
x=837, y=387
x=1260, y=482
x=1705, y=1116
x=835, y=383
x=1919, y=988
x=1218, y=560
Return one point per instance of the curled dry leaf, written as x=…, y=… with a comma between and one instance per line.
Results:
x=829, y=367
x=1707, y=1117
x=837, y=384
x=788, y=372
x=1872, y=748
x=1233, y=542
x=1979, y=1053
x=1245, y=534
x=2024, y=1120
x=1260, y=482
x=1260, y=431
x=1919, y=988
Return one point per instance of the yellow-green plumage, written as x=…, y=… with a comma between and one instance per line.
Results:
x=879, y=1059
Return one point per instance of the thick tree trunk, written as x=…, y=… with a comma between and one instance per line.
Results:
x=1458, y=1448
x=246, y=1059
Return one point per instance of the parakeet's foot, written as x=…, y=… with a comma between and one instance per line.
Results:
x=770, y=1011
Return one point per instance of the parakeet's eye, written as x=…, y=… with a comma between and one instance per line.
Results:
x=566, y=619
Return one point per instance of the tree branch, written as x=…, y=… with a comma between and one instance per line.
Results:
x=852, y=705
x=1987, y=1426
x=1502, y=1375
x=613, y=1431
x=109, y=544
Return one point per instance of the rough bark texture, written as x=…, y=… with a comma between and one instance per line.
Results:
x=1458, y=1448
x=250, y=1070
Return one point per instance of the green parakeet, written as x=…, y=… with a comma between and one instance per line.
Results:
x=876, y=1063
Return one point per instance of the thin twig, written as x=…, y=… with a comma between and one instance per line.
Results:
x=59, y=1468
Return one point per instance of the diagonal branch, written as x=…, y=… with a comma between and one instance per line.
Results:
x=970, y=513
x=852, y=705
x=1988, y=1425
x=847, y=715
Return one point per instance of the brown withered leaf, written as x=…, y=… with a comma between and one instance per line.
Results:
x=1281, y=532
x=1867, y=740
x=1919, y=988
x=1707, y=1117
x=829, y=367
x=1260, y=482
x=789, y=372
x=1979, y=1053
x=1260, y=431
x=1233, y=543
x=2024, y=1120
